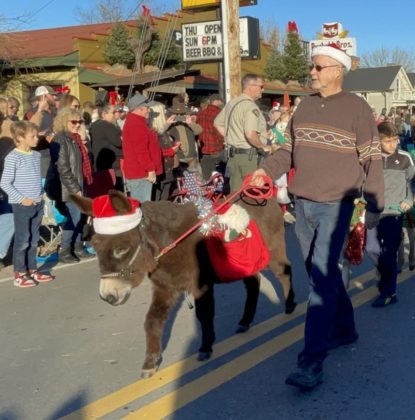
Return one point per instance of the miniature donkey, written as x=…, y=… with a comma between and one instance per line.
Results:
x=125, y=259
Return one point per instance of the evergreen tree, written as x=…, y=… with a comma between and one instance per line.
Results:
x=118, y=49
x=173, y=56
x=294, y=59
x=274, y=68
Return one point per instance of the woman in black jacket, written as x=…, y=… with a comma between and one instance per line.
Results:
x=70, y=170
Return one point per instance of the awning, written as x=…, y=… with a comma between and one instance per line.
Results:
x=143, y=79
x=174, y=88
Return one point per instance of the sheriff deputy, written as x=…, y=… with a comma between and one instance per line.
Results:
x=243, y=126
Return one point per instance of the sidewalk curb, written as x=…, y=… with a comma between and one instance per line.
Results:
x=57, y=267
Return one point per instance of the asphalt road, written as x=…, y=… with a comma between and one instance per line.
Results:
x=67, y=354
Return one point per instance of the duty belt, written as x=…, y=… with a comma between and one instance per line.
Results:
x=243, y=151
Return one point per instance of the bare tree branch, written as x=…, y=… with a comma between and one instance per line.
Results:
x=117, y=11
x=271, y=34
x=382, y=57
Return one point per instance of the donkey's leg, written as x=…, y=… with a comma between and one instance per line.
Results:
x=252, y=292
x=281, y=267
x=205, y=312
x=162, y=302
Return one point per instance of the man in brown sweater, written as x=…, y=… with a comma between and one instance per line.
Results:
x=332, y=142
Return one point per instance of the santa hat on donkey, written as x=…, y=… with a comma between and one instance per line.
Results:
x=107, y=221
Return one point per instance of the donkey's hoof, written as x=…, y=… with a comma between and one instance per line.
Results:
x=148, y=373
x=203, y=356
x=242, y=329
x=289, y=308
x=151, y=367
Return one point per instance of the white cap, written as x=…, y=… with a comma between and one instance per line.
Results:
x=44, y=90
x=335, y=53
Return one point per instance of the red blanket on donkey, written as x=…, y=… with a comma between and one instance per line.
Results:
x=241, y=257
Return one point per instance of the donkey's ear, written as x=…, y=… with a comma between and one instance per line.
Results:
x=83, y=203
x=119, y=202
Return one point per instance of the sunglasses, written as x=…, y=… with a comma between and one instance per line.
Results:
x=74, y=122
x=319, y=68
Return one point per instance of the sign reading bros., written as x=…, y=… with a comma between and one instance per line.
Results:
x=202, y=41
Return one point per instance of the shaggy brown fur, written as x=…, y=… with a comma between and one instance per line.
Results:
x=184, y=268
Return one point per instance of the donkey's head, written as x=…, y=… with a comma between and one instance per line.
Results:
x=124, y=253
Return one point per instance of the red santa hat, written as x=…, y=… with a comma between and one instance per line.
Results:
x=334, y=52
x=107, y=221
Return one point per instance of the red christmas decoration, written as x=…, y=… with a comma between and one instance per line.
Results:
x=356, y=242
x=147, y=14
x=292, y=27
x=114, y=97
x=63, y=89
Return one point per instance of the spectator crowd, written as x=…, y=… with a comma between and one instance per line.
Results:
x=138, y=146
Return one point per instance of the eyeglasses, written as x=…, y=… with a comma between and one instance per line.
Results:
x=319, y=68
x=260, y=86
x=74, y=122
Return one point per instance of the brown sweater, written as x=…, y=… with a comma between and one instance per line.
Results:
x=333, y=145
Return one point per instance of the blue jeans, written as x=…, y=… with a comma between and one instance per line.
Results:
x=27, y=221
x=389, y=232
x=72, y=228
x=321, y=229
x=6, y=227
x=140, y=189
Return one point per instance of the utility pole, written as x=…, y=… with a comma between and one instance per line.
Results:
x=231, y=48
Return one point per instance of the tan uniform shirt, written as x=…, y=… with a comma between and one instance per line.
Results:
x=239, y=116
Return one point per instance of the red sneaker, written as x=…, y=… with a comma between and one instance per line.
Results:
x=39, y=277
x=23, y=280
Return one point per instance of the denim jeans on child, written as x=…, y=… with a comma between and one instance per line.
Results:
x=27, y=221
x=321, y=229
x=6, y=227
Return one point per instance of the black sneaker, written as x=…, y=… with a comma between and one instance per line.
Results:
x=343, y=340
x=66, y=256
x=307, y=376
x=382, y=301
x=242, y=329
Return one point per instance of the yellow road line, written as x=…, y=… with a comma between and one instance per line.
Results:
x=171, y=373
x=182, y=396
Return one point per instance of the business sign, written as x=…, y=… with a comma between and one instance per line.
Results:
x=197, y=4
x=333, y=33
x=202, y=41
x=348, y=45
